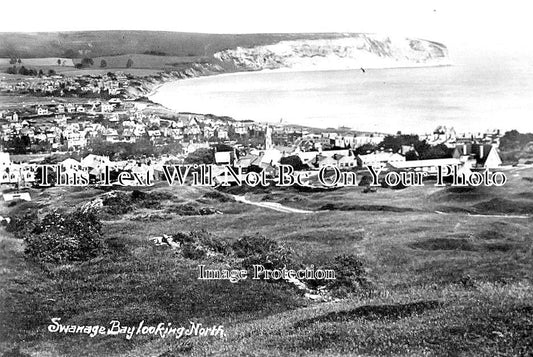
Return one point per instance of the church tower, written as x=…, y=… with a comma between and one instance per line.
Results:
x=268, y=138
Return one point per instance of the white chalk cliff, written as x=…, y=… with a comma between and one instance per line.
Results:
x=350, y=52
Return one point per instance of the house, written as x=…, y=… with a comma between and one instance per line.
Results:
x=71, y=164
x=71, y=108
x=13, y=117
x=485, y=155
x=71, y=172
x=115, y=102
x=346, y=161
x=111, y=135
x=153, y=133
x=224, y=157
x=95, y=161
x=128, y=136
x=106, y=107
x=42, y=110
x=209, y=132
x=430, y=166
x=379, y=159
x=76, y=141
x=222, y=134
x=323, y=161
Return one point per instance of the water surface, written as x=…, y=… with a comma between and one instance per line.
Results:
x=469, y=97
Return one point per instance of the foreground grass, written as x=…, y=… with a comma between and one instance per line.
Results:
x=451, y=284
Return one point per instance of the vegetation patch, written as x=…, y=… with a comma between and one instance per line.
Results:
x=22, y=224
x=502, y=205
x=62, y=237
x=191, y=210
x=351, y=276
x=119, y=202
x=443, y=244
x=351, y=207
x=258, y=249
x=374, y=312
x=218, y=196
x=200, y=244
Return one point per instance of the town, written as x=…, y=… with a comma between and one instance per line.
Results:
x=90, y=125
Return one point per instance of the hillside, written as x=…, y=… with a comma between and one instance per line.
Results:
x=238, y=52
x=110, y=43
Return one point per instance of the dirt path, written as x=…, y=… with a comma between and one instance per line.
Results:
x=270, y=205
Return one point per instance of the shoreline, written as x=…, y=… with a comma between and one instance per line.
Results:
x=178, y=74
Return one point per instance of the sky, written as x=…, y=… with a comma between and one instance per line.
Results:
x=472, y=26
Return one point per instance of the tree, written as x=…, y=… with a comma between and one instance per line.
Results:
x=513, y=140
x=395, y=142
x=103, y=64
x=294, y=161
x=23, y=71
x=201, y=156
x=129, y=64
x=70, y=53
x=364, y=149
x=87, y=62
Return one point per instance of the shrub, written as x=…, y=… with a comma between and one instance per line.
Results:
x=119, y=203
x=200, y=244
x=264, y=251
x=63, y=237
x=252, y=245
x=218, y=196
x=22, y=224
x=144, y=200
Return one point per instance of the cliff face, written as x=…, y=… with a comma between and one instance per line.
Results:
x=355, y=51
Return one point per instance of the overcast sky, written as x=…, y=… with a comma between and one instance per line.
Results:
x=496, y=26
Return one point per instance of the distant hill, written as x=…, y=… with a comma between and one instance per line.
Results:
x=110, y=43
x=239, y=52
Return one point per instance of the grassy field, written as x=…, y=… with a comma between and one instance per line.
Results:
x=455, y=283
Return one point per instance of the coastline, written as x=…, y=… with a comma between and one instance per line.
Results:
x=176, y=76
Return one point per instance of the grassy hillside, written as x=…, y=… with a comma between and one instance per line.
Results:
x=109, y=43
x=443, y=284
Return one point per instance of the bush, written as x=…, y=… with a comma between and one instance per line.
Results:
x=264, y=251
x=218, y=196
x=21, y=225
x=145, y=200
x=61, y=237
x=200, y=244
x=251, y=245
x=119, y=203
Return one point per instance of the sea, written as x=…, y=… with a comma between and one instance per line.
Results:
x=470, y=97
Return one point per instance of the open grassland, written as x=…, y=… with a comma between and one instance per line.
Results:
x=455, y=283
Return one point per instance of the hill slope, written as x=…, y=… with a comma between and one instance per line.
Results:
x=233, y=52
